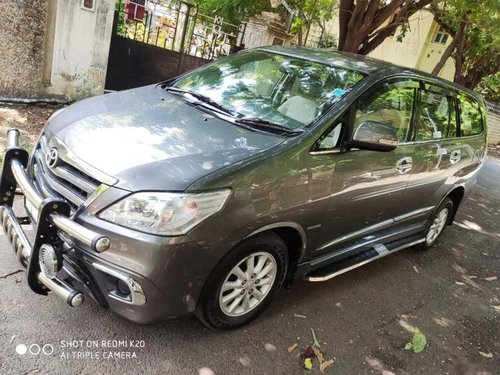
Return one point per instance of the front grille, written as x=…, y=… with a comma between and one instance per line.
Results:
x=63, y=180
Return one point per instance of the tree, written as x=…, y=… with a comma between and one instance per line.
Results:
x=365, y=24
x=489, y=87
x=309, y=12
x=475, y=46
x=233, y=11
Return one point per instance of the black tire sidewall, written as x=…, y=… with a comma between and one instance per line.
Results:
x=209, y=310
x=446, y=203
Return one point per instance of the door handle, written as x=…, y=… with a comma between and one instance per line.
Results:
x=404, y=165
x=455, y=156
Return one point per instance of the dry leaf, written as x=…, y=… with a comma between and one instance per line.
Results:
x=292, y=347
x=486, y=355
x=324, y=365
x=491, y=278
x=459, y=283
x=415, y=269
x=318, y=354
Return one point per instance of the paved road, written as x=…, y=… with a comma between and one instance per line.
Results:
x=363, y=318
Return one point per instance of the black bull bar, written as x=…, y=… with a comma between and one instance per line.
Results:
x=53, y=217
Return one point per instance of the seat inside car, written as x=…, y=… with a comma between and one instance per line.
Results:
x=303, y=105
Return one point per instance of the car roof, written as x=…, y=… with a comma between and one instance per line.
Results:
x=333, y=57
x=361, y=63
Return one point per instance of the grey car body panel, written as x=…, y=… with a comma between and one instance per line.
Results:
x=149, y=139
x=338, y=202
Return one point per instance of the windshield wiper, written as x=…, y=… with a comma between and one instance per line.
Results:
x=202, y=98
x=264, y=124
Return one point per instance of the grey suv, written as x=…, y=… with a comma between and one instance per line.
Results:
x=208, y=192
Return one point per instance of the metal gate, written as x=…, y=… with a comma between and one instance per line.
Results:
x=154, y=40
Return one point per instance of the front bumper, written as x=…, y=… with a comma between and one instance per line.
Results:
x=64, y=271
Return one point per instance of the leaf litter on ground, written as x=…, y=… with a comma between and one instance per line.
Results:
x=313, y=351
x=417, y=343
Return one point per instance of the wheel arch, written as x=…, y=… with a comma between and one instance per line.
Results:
x=456, y=195
x=294, y=237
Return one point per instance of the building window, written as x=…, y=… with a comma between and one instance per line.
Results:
x=88, y=5
x=441, y=36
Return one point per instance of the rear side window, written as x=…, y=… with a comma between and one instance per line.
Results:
x=437, y=117
x=471, y=121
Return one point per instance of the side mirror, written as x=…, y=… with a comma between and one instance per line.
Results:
x=375, y=136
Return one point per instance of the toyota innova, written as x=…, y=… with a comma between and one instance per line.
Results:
x=207, y=193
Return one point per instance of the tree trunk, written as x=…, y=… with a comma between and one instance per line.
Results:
x=345, y=11
x=460, y=57
x=360, y=23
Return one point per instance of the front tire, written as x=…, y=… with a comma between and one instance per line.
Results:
x=437, y=224
x=244, y=283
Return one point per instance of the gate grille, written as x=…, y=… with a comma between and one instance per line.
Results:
x=177, y=26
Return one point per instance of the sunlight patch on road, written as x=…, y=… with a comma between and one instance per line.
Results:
x=469, y=225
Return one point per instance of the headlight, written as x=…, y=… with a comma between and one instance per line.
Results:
x=167, y=214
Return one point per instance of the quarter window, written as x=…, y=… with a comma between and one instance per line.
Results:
x=391, y=104
x=471, y=122
x=437, y=116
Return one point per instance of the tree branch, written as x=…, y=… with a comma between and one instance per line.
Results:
x=378, y=39
x=384, y=13
x=446, y=54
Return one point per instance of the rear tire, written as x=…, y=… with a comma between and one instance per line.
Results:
x=244, y=283
x=437, y=224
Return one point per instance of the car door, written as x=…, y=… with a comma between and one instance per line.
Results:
x=439, y=154
x=368, y=188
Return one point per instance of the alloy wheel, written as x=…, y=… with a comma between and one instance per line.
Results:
x=247, y=284
x=437, y=225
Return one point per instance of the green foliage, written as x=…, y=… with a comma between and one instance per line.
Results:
x=233, y=11
x=119, y=7
x=312, y=12
x=477, y=51
x=307, y=12
x=328, y=41
x=489, y=87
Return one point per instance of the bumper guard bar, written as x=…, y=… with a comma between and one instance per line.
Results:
x=53, y=215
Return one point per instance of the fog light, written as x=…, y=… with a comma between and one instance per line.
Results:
x=122, y=287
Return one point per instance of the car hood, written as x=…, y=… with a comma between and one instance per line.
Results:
x=149, y=139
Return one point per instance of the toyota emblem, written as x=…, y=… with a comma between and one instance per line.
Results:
x=52, y=157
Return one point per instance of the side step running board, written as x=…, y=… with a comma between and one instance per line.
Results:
x=376, y=252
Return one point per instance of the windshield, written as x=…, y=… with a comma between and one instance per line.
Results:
x=283, y=90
